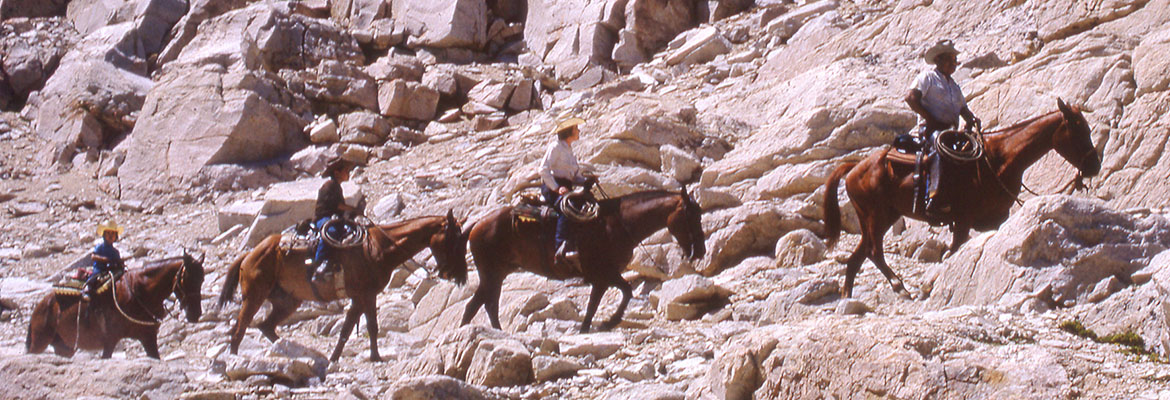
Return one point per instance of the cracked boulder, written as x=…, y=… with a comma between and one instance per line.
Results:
x=1056, y=251
x=222, y=100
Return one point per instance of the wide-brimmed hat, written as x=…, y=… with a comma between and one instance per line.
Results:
x=108, y=225
x=338, y=164
x=567, y=124
x=942, y=47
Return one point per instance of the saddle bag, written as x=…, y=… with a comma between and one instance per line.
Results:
x=533, y=213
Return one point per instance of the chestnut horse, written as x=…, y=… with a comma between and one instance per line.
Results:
x=269, y=274
x=606, y=245
x=132, y=309
x=882, y=185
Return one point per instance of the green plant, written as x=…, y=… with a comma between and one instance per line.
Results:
x=1132, y=342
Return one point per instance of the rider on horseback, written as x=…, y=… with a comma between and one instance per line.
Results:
x=559, y=171
x=106, y=258
x=330, y=204
x=939, y=103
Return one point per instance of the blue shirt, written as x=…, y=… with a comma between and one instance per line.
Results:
x=106, y=250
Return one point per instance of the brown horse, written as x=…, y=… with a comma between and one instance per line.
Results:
x=133, y=309
x=268, y=274
x=606, y=245
x=882, y=185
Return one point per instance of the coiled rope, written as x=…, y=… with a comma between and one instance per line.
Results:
x=584, y=211
x=968, y=145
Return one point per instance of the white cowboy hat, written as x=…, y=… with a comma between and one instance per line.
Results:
x=109, y=225
x=942, y=47
x=568, y=123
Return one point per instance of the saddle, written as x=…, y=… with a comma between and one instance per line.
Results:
x=74, y=285
x=302, y=236
x=299, y=237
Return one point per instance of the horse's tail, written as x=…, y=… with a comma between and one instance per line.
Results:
x=832, y=210
x=460, y=277
x=41, y=325
x=232, y=280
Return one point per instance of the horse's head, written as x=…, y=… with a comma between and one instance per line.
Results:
x=188, y=286
x=686, y=225
x=449, y=247
x=1073, y=141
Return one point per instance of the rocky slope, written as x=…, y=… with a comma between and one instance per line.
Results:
x=199, y=125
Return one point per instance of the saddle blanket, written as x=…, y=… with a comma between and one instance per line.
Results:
x=71, y=286
x=529, y=213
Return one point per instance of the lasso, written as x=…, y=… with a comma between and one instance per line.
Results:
x=971, y=145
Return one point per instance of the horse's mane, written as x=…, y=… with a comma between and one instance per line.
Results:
x=409, y=223
x=151, y=265
x=1018, y=125
x=612, y=204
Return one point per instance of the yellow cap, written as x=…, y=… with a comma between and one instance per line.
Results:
x=109, y=225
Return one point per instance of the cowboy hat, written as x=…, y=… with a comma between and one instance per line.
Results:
x=567, y=124
x=109, y=225
x=942, y=47
x=338, y=164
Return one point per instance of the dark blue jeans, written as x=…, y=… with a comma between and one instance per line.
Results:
x=322, y=248
x=562, y=233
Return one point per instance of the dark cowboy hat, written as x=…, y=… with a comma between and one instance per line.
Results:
x=338, y=164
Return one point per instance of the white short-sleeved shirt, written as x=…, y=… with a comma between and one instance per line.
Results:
x=559, y=162
x=941, y=96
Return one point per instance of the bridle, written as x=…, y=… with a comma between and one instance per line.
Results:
x=177, y=288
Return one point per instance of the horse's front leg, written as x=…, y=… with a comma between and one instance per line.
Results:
x=594, y=300
x=961, y=233
x=627, y=293
x=351, y=316
x=149, y=342
x=372, y=327
x=108, y=345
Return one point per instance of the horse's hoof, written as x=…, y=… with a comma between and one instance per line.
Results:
x=375, y=359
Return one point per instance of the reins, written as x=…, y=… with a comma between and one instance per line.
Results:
x=1077, y=182
x=176, y=287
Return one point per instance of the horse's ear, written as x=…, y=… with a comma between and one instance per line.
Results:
x=451, y=221
x=1064, y=109
x=202, y=257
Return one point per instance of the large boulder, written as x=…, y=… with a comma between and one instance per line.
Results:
x=94, y=97
x=443, y=23
x=1056, y=251
x=288, y=203
x=478, y=354
x=51, y=376
x=638, y=128
x=573, y=36
x=752, y=229
x=893, y=357
x=30, y=51
x=689, y=297
x=402, y=99
x=434, y=387
x=221, y=101
x=184, y=30
x=154, y=18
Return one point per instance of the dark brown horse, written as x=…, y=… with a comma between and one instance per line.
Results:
x=606, y=245
x=132, y=309
x=882, y=185
x=268, y=274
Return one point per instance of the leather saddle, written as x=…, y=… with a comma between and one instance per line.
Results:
x=74, y=285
